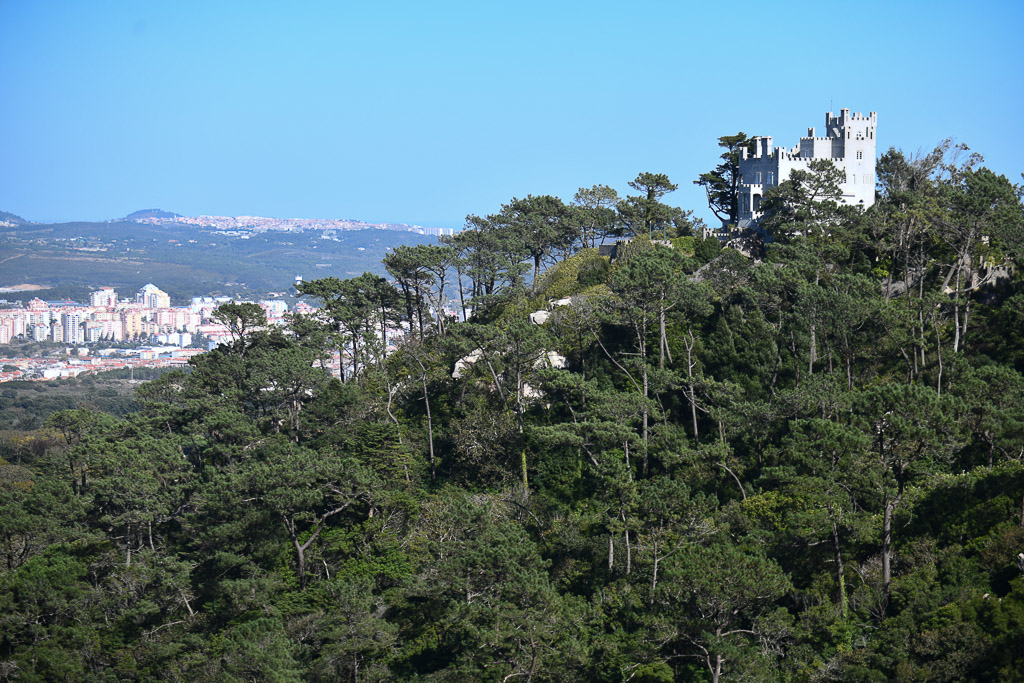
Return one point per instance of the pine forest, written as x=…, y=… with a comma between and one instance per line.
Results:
x=799, y=459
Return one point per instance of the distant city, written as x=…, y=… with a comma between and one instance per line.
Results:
x=241, y=225
x=143, y=331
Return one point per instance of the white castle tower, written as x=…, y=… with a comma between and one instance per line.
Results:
x=849, y=143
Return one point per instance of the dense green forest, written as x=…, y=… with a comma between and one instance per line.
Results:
x=702, y=466
x=24, y=406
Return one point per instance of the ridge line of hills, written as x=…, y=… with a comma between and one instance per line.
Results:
x=185, y=259
x=244, y=222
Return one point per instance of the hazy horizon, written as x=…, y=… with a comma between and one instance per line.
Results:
x=111, y=219
x=421, y=114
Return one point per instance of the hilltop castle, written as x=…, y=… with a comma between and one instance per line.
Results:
x=849, y=143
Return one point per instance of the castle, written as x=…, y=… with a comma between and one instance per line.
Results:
x=849, y=143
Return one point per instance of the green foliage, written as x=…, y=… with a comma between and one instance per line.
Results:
x=633, y=247
x=593, y=271
x=701, y=467
x=583, y=269
x=721, y=184
x=24, y=406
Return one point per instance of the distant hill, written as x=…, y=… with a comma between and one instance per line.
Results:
x=11, y=219
x=150, y=213
x=72, y=259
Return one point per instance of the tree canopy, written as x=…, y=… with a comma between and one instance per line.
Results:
x=536, y=463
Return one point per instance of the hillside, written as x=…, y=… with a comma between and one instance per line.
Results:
x=677, y=464
x=150, y=213
x=73, y=258
x=7, y=218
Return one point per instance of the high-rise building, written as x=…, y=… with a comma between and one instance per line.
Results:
x=152, y=296
x=71, y=324
x=105, y=297
x=93, y=331
x=131, y=323
x=38, y=305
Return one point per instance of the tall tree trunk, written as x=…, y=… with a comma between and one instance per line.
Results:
x=716, y=672
x=654, y=570
x=920, y=310
x=522, y=431
x=813, y=353
x=642, y=343
x=646, y=417
x=956, y=314
x=430, y=421
x=663, y=350
x=692, y=394
x=629, y=550
x=419, y=311
x=408, y=306
x=967, y=309
x=796, y=357
x=462, y=296
x=843, y=602
x=891, y=503
x=301, y=555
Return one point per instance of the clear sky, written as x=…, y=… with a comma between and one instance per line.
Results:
x=425, y=111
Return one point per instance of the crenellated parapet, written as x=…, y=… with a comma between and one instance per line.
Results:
x=849, y=144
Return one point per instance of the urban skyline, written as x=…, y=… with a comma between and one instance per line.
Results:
x=163, y=334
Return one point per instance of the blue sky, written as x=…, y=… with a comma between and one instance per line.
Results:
x=423, y=112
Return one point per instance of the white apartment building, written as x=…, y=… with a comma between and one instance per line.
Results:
x=152, y=296
x=71, y=324
x=106, y=297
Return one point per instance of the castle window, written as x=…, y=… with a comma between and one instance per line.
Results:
x=757, y=202
x=757, y=178
x=860, y=155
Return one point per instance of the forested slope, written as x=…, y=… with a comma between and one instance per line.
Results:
x=801, y=467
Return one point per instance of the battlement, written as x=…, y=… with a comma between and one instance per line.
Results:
x=795, y=155
x=846, y=117
x=849, y=144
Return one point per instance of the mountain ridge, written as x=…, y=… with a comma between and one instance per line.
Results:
x=8, y=218
x=150, y=213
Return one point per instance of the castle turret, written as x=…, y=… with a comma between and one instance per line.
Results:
x=849, y=143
